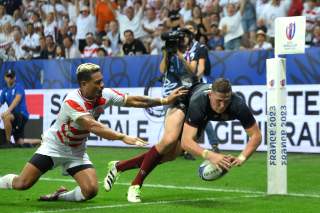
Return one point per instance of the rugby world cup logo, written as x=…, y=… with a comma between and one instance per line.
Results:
x=290, y=30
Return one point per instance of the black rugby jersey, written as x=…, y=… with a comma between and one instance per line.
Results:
x=200, y=111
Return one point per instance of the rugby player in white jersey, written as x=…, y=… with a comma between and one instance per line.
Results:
x=63, y=144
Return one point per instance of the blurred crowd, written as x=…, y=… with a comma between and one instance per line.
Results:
x=46, y=29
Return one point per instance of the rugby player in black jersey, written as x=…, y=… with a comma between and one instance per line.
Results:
x=217, y=102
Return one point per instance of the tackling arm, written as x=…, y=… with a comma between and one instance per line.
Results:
x=89, y=123
x=146, y=101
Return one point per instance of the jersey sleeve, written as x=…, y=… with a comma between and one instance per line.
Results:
x=195, y=117
x=73, y=109
x=114, y=97
x=245, y=116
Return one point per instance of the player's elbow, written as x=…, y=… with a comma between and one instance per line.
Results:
x=257, y=138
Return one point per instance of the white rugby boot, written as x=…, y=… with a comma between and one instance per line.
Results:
x=112, y=175
x=134, y=193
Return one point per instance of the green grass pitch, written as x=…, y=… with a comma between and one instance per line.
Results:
x=172, y=187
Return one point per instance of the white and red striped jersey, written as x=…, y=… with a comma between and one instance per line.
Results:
x=65, y=130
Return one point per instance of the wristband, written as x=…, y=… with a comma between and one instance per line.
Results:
x=205, y=153
x=163, y=101
x=242, y=158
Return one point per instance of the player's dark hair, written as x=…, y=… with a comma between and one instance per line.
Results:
x=84, y=71
x=221, y=85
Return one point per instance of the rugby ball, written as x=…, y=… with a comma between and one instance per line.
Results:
x=208, y=171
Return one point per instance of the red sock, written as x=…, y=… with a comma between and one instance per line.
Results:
x=150, y=161
x=131, y=163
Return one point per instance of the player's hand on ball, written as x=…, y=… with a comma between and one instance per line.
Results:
x=236, y=161
x=221, y=161
x=175, y=94
x=134, y=141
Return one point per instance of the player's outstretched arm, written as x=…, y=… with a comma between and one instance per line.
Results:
x=146, y=101
x=89, y=123
x=189, y=144
x=252, y=145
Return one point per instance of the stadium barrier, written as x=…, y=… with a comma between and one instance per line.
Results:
x=240, y=67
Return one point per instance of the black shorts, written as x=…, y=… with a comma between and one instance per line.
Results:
x=183, y=102
x=45, y=163
x=18, y=125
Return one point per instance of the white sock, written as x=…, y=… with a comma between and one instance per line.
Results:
x=74, y=195
x=6, y=181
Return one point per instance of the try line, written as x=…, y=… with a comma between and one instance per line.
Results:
x=194, y=188
x=147, y=203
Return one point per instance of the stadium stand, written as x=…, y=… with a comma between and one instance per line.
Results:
x=25, y=25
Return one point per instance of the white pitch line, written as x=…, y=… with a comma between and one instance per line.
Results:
x=194, y=188
x=161, y=202
x=171, y=187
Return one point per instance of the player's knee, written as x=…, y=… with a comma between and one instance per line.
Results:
x=90, y=191
x=165, y=146
x=184, y=145
x=169, y=140
x=22, y=184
